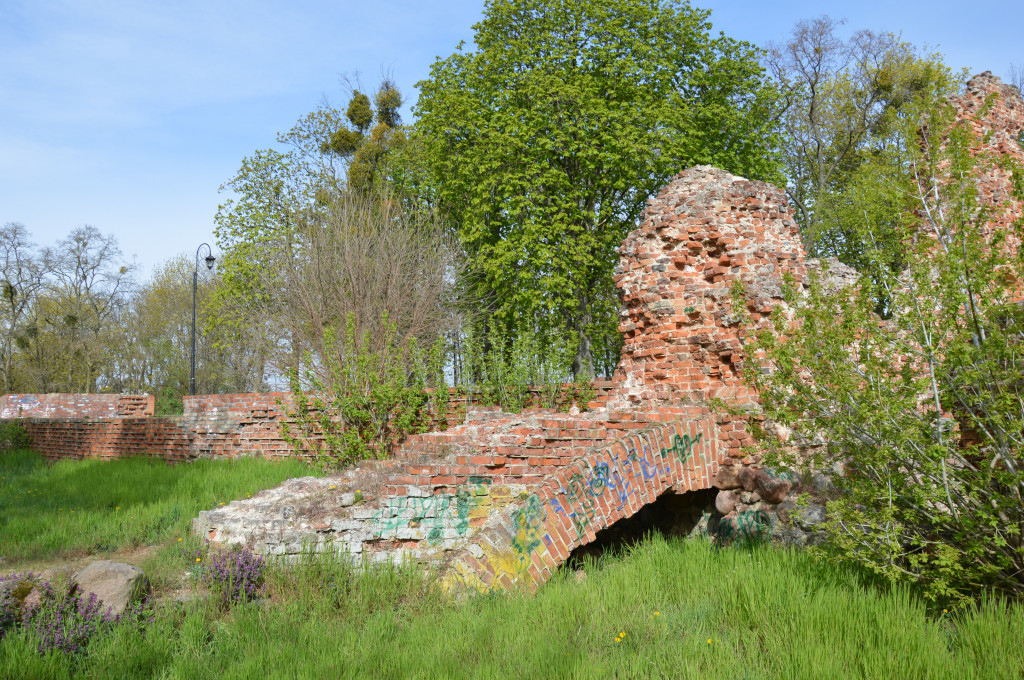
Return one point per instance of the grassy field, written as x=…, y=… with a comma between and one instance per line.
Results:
x=664, y=609
x=71, y=508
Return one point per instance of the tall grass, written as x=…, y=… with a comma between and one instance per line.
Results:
x=664, y=610
x=73, y=507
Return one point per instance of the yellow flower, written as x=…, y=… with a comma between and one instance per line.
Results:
x=709, y=641
x=657, y=613
x=179, y=540
x=198, y=559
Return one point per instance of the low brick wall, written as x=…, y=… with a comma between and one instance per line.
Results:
x=110, y=438
x=109, y=426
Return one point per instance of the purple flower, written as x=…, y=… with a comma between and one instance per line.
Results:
x=237, y=575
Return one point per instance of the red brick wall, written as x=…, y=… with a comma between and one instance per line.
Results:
x=219, y=425
x=109, y=438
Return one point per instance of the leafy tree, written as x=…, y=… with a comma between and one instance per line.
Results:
x=547, y=140
x=922, y=413
x=72, y=327
x=23, y=276
x=842, y=103
x=278, y=193
x=154, y=344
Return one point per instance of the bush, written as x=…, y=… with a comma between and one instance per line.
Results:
x=13, y=436
x=64, y=619
x=375, y=395
x=922, y=412
x=235, y=575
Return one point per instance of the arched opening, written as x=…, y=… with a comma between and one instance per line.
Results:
x=672, y=514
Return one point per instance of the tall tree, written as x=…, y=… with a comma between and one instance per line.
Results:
x=23, y=276
x=71, y=334
x=841, y=98
x=155, y=337
x=278, y=193
x=547, y=140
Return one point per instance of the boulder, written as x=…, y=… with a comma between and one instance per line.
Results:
x=747, y=478
x=727, y=478
x=772, y=489
x=809, y=517
x=725, y=502
x=115, y=584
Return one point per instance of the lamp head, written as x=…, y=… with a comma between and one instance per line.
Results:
x=210, y=259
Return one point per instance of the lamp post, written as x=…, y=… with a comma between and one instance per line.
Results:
x=209, y=259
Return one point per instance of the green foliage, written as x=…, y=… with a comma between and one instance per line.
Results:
x=923, y=412
x=546, y=142
x=520, y=373
x=375, y=394
x=366, y=148
x=847, y=104
x=13, y=436
x=169, y=403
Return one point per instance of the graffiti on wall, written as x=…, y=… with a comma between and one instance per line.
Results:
x=643, y=461
x=435, y=515
x=528, y=524
x=748, y=525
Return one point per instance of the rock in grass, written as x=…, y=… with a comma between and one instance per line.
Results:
x=115, y=584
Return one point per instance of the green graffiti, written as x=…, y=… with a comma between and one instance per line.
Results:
x=682, y=446
x=527, y=523
x=432, y=513
x=752, y=524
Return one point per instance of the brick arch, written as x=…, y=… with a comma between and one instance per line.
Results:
x=521, y=546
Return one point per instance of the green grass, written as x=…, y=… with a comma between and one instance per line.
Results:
x=687, y=609
x=71, y=508
x=677, y=609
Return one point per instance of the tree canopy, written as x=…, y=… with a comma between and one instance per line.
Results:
x=546, y=141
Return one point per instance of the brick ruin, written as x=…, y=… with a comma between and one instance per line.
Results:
x=501, y=500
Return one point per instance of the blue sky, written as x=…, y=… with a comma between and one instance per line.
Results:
x=129, y=115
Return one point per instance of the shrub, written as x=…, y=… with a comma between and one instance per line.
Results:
x=13, y=436
x=922, y=412
x=236, y=575
x=64, y=619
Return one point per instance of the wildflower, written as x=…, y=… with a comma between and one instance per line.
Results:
x=179, y=540
x=709, y=641
x=198, y=559
x=657, y=613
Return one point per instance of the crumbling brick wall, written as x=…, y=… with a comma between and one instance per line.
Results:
x=706, y=232
x=994, y=112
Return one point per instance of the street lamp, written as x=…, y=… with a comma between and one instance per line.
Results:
x=209, y=259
